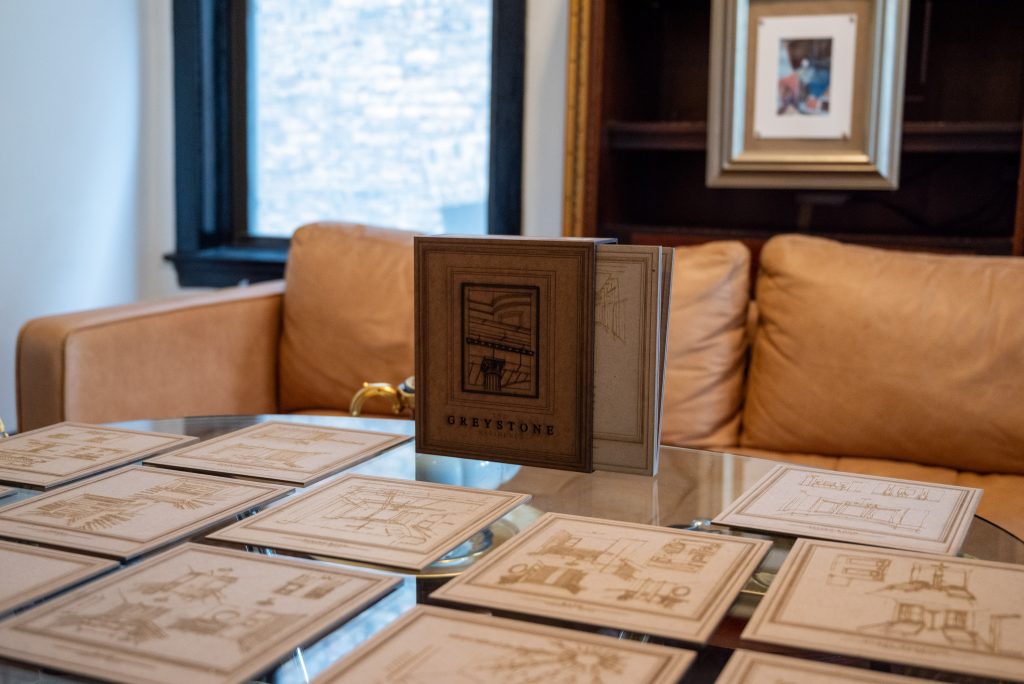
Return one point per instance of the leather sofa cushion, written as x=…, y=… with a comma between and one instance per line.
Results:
x=875, y=353
x=707, y=345
x=348, y=314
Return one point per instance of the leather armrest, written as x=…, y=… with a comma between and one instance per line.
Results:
x=206, y=354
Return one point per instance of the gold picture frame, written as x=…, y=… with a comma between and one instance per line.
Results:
x=833, y=120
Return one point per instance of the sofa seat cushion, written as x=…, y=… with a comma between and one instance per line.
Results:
x=874, y=353
x=348, y=314
x=1001, y=503
x=707, y=344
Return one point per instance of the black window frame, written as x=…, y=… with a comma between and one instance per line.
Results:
x=212, y=160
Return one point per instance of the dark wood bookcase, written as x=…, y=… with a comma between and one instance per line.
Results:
x=637, y=123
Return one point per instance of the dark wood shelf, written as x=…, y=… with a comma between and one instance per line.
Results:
x=961, y=136
x=657, y=135
x=918, y=136
x=671, y=235
x=637, y=136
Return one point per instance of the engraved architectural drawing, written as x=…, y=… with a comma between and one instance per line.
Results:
x=291, y=453
x=430, y=645
x=379, y=520
x=644, y=578
x=30, y=573
x=198, y=614
x=132, y=510
x=921, y=609
x=60, y=453
x=751, y=666
x=882, y=511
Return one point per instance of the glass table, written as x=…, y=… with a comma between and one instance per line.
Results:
x=691, y=487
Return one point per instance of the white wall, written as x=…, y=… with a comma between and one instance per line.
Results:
x=547, y=25
x=87, y=154
x=69, y=133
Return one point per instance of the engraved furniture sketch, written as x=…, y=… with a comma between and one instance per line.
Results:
x=901, y=491
x=935, y=606
x=894, y=517
x=815, y=481
x=500, y=325
x=845, y=569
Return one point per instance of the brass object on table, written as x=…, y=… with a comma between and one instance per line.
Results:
x=401, y=398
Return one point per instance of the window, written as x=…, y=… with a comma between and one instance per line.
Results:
x=404, y=113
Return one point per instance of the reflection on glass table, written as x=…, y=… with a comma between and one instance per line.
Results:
x=691, y=487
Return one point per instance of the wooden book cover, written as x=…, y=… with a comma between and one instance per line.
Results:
x=630, y=324
x=505, y=349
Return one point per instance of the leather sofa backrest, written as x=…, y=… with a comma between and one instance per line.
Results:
x=347, y=314
x=869, y=352
x=707, y=345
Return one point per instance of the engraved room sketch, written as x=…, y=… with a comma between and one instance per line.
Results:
x=947, y=613
x=933, y=604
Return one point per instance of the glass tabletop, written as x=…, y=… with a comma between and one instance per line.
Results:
x=691, y=487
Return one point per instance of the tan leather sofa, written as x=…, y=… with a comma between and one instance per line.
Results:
x=856, y=359
x=851, y=358
x=343, y=314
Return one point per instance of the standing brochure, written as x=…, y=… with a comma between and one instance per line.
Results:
x=506, y=333
x=631, y=327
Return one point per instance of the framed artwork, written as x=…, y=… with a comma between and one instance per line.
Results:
x=806, y=93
